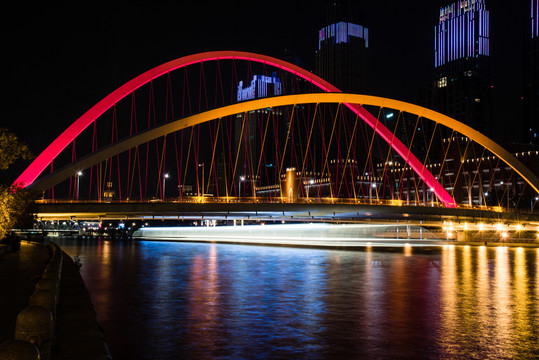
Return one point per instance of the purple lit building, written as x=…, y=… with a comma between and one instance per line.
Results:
x=462, y=85
x=343, y=46
x=531, y=82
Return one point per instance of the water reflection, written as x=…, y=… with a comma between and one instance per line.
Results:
x=487, y=309
x=523, y=306
x=160, y=300
x=502, y=303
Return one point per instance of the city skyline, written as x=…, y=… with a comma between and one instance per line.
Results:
x=462, y=86
x=289, y=179
x=57, y=75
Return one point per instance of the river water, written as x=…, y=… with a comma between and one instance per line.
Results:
x=173, y=300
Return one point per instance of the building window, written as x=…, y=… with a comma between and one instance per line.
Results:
x=477, y=100
x=442, y=82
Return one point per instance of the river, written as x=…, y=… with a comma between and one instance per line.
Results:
x=175, y=300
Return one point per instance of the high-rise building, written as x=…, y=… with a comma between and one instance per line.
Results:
x=343, y=47
x=462, y=87
x=531, y=93
x=249, y=165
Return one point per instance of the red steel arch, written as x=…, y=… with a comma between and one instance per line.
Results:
x=55, y=148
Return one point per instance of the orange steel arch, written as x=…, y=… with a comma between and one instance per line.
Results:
x=63, y=174
x=49, y=154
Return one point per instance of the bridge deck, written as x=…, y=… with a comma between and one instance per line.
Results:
x=274, y=212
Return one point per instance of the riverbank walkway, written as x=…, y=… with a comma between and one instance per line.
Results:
x=78, y=334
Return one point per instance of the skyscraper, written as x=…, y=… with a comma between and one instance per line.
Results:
x=462, y=85
x=343, y=47
x=248, y=132
x=531, y=94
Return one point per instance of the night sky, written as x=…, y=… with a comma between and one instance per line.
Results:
x=61, y=59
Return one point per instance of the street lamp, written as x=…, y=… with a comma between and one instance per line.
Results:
x=164, y=178
x=311, y=182
x=202, y=166
x=242, y=179
x=373, y=186
x=532, y=203
x=77, y=179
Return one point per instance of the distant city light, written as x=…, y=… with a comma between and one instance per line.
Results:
x=258, y=87
x=462, y=32
x=342, y=32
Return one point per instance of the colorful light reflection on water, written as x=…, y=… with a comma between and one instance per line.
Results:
x=162, y=300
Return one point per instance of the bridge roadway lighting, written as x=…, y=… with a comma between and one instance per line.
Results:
x=311, y=182
x=202, y=166
x=164, y=178
x=242, y=179
x=373, y=186
x=77, y=179
x=532, y=203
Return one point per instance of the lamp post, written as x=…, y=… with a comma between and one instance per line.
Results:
x=373, y=186
x=242, y=179
x=77, y=179
x=164, y=182
x=432, y=197
x=202, y=166
x=532, y=203
x=311, y=182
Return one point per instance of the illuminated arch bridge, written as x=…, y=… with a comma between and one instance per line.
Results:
x=235, y=126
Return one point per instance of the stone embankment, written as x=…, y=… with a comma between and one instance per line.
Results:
x=60, y=321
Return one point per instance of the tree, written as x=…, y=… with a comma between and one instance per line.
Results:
x=15, y=203
x=11, y=149
x=15, y=209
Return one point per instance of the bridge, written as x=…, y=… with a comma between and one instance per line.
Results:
x=236, y=134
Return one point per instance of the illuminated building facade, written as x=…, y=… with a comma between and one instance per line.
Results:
x=260, y=86
x=473, y=181
x=342, y=56
x=462, y=86
x=531, y=83
x=247, y=136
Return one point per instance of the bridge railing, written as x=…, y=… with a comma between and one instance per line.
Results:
x=299, y=200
